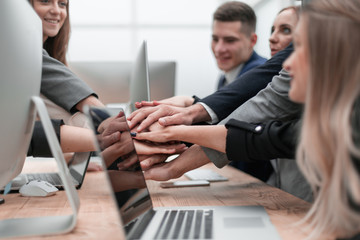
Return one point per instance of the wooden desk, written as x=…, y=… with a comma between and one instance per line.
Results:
x=283, y=208
x=98, y=218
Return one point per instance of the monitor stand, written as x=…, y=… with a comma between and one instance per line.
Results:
x=50, y=224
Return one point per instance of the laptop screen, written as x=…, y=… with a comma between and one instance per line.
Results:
x=128, y=184
x=78, y=165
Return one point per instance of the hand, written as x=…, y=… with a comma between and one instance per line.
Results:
x=125, y=180
x=105, y=123
x=153, y=153
x=158, y=134
x=118, y=149
x=110, y=130
x=147, y=162
x=178, y=101
x=147, y=148
x=165, y=114
x=192, y=158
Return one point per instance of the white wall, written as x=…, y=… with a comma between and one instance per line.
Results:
x=177, y=30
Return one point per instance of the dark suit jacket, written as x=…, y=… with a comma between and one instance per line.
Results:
x=254, y=61
x=227, y=99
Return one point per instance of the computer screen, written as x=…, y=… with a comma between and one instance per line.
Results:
x=110, y=79
x=20, y=77
x=139, y=85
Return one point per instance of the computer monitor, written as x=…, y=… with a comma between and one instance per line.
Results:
x=162, y=79
x=20, y=77
x=139, y=85
x=110, y=79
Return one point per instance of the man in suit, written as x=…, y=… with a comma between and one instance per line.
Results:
x=233, y=40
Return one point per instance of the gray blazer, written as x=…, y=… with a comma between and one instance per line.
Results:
x=269, y=104
x=62, y=86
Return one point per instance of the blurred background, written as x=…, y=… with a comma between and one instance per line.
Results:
x=175, y=30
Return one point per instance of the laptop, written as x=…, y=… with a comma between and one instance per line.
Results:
x=142, y=221
x=77, y=167
x=139, y=81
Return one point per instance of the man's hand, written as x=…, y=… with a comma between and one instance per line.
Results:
x=118, y=149
x=105, y=124
x=111, y=134
x=166, y=115
x=178, y=101
x=192, y=158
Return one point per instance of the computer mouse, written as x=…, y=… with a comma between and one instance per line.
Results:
x=38, y=188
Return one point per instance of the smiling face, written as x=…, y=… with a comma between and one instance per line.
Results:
x=282, y=29
x=52, y=14
x=230, y=46
x=298, y=64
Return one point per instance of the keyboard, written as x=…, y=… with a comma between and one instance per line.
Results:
x=186, y=224
x=205, y=174
x=52, y=178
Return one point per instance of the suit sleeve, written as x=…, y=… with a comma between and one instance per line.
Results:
x=247, y=85
x=271, y=103
x=39, y=146
x=62, y=86
x=259, y=142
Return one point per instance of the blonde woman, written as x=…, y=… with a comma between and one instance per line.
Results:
x=326, y=66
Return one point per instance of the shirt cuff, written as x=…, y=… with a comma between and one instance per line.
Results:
x=212, y=114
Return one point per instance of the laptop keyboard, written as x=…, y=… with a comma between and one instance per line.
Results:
x=186, y=224
x=52, y=178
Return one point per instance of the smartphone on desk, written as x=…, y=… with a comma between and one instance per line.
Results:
x=175, y=184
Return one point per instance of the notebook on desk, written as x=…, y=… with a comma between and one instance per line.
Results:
x=77, y=167
x=142, y=221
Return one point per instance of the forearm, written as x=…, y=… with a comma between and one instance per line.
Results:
x=208, y=136
x=259, y=142
x=76, y=139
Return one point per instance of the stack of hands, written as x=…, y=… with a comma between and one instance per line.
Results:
x=155, y=128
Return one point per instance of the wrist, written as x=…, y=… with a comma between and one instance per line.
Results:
x=188, y=101
x=198, y=113
x=172, y=133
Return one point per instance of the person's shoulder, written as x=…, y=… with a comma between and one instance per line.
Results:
x=256, y=57
x=254, y=61
x=49, y=60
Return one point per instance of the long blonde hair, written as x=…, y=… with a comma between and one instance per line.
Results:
x=327, y=152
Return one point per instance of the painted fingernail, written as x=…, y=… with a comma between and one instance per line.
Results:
x=133, y=134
